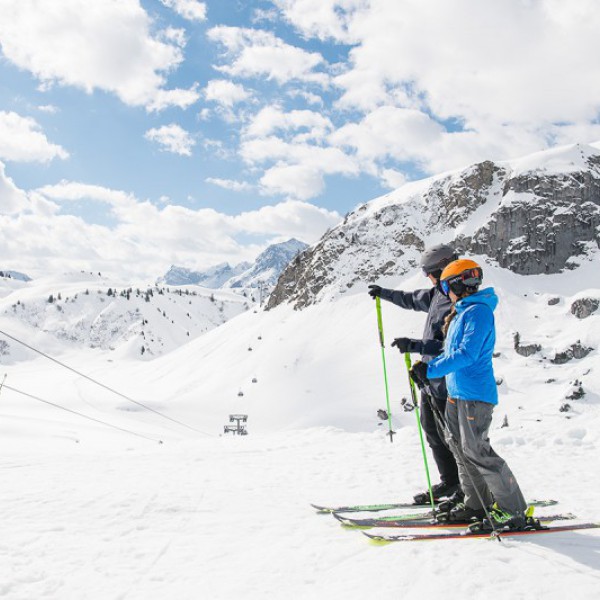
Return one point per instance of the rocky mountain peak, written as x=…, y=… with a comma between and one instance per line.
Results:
x=538, y=214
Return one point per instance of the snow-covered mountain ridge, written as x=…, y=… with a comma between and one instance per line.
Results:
x=263, y=272
x=538, y=214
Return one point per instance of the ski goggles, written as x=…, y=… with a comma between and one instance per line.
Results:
x=470, y=278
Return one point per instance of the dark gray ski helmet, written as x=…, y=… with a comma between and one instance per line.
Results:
x=434, y=259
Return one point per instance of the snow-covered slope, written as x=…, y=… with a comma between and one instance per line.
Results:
x=90, y=511
x=111, y=515
x=87, y=310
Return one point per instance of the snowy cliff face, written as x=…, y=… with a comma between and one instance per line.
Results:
x=539, y=214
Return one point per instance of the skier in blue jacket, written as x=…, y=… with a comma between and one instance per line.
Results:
x=466, y=363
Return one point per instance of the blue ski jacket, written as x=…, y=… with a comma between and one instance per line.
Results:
x=467, y=358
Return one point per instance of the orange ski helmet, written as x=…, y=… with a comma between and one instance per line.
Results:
x=460, y=276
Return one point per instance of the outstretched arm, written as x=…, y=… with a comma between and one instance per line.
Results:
x=419, y=300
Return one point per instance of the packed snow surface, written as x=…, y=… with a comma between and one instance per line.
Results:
x=89, y=512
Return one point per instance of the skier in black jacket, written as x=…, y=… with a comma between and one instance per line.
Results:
x=437, y=306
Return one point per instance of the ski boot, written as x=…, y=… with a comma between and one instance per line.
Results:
x=504, y=521
x=447, y=505
x=461, y=513
x=439, y=490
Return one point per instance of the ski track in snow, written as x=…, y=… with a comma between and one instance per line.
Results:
x=230, y=517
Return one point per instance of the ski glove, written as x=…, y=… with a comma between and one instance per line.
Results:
x=374, y=291
x=418, y=374
x=408, y=345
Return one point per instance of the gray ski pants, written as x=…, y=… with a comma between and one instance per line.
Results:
x=482, y=470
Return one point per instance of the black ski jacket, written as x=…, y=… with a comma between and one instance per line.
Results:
x=437, y=306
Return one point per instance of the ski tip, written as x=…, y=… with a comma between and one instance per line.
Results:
x=323, y=510
x=376, y=540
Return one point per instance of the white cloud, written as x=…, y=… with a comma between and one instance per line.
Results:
x=307, y=124
x=12, y=199
x=70, y=191
x=188, y=9
x=146, y=238
x=291, y=148
x=324, y=19
x=48, y=108
x=299, y=181
x=172, y=138
x=226, y=92
x=388, y=131
x=230, y=184
x=301, y=220
x=259, y=53
x=544, y=70
x=295, y=169
x=498, y=79
x=104, y=45
x=22, y=140
x=308, y=96
x=273, y=149
x=260, y=14
x=393, y=179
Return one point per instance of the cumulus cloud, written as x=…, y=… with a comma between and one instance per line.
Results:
x=296, y=169
x=188, y=9
x=259, y=53
x=324, y=19
x=230, y=184
x=12, y=199
x=389, y=131
x=293, y=150
x=486, y=80
x=39, y=235
x=226, y=92
x=172, y=138
x=70, y=191
x=305, y=124
x=392, y=178
x=300, y=181
x=48, y=108
x=22, y=140
x=103, y=45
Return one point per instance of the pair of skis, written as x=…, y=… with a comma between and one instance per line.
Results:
x=424, y=520
x=353, y=508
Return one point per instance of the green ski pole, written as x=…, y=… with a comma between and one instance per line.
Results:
x=381, y=342
x=413, y=394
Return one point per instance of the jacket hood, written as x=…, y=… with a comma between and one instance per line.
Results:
x=486, y=296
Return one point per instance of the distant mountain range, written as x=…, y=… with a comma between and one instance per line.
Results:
x=265, y=270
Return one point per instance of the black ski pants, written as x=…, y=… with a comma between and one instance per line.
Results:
x=444, y=459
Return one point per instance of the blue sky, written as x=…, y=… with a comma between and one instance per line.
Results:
x=181, y=131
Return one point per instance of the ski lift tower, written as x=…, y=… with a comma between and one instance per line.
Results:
x=238, y=427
